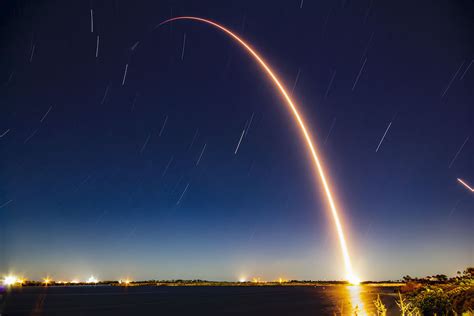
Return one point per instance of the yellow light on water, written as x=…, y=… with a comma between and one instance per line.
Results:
x=356, y=301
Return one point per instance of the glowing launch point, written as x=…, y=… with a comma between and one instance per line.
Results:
x=353, y=280
x=299, y=120
x=10, y=280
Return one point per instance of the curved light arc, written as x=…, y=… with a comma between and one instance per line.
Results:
x=307, y=137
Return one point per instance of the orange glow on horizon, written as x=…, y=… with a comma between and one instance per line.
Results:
x=309, y=142
x=125, y=282
x=47, y=281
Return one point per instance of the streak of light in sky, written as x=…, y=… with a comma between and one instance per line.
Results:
x=383, y=137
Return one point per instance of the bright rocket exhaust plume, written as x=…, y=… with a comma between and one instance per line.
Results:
x=466, y=185
x=351, y=277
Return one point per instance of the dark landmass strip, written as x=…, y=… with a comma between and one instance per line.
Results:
x=215, y=283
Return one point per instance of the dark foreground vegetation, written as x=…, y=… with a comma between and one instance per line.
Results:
x=440, y=295
x=434, y=295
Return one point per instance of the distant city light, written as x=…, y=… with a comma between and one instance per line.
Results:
x=10, y=280
x=92, y=279
x=125, y=282
x=281, y=280
x=47, y=281
x=257, y=280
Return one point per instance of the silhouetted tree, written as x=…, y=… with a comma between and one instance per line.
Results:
x=407, y=278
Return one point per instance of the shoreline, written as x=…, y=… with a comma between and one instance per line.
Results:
x=213, y=284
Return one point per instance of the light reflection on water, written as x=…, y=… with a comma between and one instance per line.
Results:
x=352, y=300
x=274, y=300
x=358, y=306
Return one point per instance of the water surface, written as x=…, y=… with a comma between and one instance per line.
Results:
x=149, y=300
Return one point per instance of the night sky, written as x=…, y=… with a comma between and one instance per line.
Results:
x=136, y=175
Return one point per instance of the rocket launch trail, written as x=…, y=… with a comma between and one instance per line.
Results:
x=351, y=277
x=466, y=185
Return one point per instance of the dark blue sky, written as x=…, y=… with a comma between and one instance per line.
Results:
x=86, y=189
